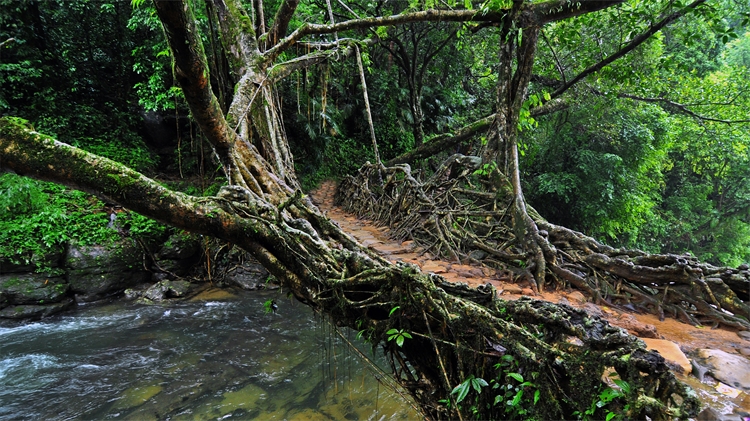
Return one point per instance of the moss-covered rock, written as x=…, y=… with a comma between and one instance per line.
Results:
x=179, y=246
x=167, y=289
x=32, y=263
x=35, y=311
x=30, y=288
x=95, y=272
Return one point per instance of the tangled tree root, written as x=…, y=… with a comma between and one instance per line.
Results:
x=501, y=359
x=524, y=359
x=449, y=216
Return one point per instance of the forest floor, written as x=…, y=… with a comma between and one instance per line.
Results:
x=655, y=333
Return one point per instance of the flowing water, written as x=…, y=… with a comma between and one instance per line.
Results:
x=206, y=359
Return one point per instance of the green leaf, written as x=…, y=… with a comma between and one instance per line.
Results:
x=477, y=384
x=393, y=310
x=392, y=332
x=399, y=340
x=625, y=386
x=537, y=393
x=517, y=398
x=406, y=335
x=516, y=376
x=610, y=416
x=462, y=390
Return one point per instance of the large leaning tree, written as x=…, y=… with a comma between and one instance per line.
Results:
x=503, y=359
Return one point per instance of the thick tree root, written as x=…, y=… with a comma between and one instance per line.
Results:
x=447, y=216
x=538, y=359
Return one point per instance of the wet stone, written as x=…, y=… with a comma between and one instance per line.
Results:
x=671, y=352
x=512, y=289
x=577, y=297
x=434, y=267
x=23, y=311
x=731, y=369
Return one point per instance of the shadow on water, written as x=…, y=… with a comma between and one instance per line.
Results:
x=206, y=359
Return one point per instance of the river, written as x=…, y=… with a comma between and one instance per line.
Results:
x=218, y=357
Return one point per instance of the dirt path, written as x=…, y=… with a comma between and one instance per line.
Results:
x=688, y=338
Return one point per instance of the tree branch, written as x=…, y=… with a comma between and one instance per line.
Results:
x=284, y=14
x=7, y=41
x=555, y=10
x=671, y=105
x=443, y=142
x=423, y=16
x=635, y=42
x=191, y=72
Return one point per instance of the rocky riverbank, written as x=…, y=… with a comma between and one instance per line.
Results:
x=73, y=274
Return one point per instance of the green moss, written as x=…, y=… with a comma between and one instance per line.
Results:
x=11, y=283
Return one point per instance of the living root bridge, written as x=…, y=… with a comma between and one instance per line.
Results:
x=454, y=333
x=448, y=215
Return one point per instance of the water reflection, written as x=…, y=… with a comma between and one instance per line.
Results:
x=216, y=359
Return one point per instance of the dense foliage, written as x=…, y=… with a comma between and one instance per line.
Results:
x=648, y=174
x=654, y=154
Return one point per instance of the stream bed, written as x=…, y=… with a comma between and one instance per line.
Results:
x=217, y=357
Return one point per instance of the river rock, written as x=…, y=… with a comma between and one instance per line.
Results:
x=95, y=272
x=179, y=247
x=731, y=369
x=243, y=271
x=249, y=276
x=744, y=334
x=167, y=289
x=671, y=352
x=31, y=288
x=35, y=311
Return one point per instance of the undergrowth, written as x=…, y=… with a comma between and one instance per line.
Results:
x=37, y=218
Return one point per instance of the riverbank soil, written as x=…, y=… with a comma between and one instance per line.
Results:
x=679, y=343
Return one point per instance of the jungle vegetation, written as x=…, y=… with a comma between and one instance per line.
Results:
x=572, y=124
